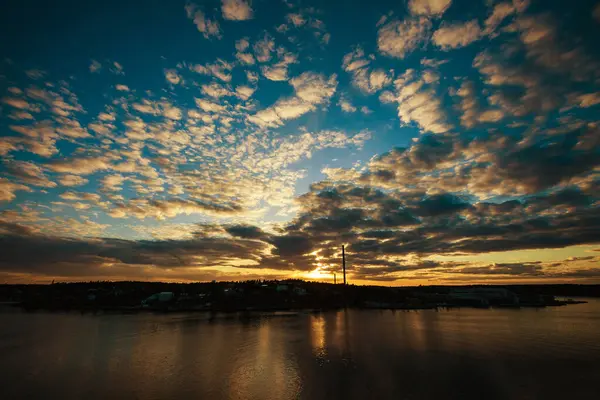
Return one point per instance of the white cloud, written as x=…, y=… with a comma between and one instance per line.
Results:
x=398, y=38
x=220, y=69
x=340, y=174
x=242, y=44
x=420, y=104
x=274, y=73
x=71, y=128
x=430, y=76
x=106, y=116
x=72, y=180
x=292, y=108
x=428, y=7
x=314, y=88
x=117, y=69
x=472, y=112
x=19, y=115
x=112, y=183
x=279, y=70
x=122, y=88
x=209, y=28
x=366, y=79
x=171, y=112
x=468, y=105
x=296, y=19
x=80, y=196
x=95, y=66
x=245, y=58
x=267, y=117
x=16, y=103
x=28, y=173
x=79, y=166
x=457, y=35
x=8, y=189
x=589, y=99
x=432, y=63
x=209, y=106
x=378, y=79
x=521, y=5
x=216, y=90
x=146, y=107
x=499, y=13
x=236, y=10
x=244, y=92
x=355, y=60
x=172, y=76
x=35, y=74
x=371, y=81
x=263, y=48
x=161, y=209
x=491, y=116
x=346, y=105
x=252, y=76
x=311, y=89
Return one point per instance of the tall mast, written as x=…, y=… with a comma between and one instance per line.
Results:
x=344, y=263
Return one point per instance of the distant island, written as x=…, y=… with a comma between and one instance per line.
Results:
x=270, y=295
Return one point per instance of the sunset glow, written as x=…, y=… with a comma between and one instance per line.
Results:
x=441, y=141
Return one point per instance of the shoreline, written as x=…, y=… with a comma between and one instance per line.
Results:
x=167, y=309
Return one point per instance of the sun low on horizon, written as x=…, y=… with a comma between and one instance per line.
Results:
x=439, y=141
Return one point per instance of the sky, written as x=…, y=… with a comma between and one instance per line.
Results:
x=439, y=141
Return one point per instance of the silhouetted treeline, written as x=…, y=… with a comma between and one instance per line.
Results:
x=277, y=295
x=562, y=290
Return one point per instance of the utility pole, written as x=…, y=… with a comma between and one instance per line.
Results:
x=334, y=279
x=344, y=263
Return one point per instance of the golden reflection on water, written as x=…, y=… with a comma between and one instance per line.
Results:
x=317, y=335
x=353, y=354
x=263, y=367
x=417, y=330
x=341, y=320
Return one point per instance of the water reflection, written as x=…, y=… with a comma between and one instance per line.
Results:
x=317, y=324
x=351, y=354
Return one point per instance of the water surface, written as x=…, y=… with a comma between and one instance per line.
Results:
x=551, y=353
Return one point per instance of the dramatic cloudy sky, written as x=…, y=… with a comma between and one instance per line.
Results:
x=441, y=141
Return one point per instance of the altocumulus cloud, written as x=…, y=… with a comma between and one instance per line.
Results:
x=263, y=142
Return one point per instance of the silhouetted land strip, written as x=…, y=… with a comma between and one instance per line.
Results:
x=259, y=295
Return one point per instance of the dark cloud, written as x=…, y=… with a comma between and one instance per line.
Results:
x=390, y=271
x=339, y=220
x=10, y=228
x=291, y=245
x=449, y=224
x=550, y=160
x=581, y=273
x=379, y=235
x=440, y=204
x=245, y=231
x=567, y=197
x=530, y=269
x=380, y=226
x=424, y=154
x=430, y=150
x=52, y=252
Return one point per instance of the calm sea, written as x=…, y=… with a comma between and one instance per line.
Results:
x=551, y=353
